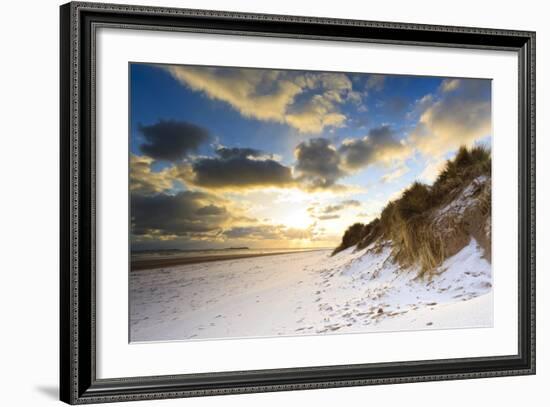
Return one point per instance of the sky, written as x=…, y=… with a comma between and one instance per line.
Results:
x=229, y=157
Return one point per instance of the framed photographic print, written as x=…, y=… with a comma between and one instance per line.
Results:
x=255, y=203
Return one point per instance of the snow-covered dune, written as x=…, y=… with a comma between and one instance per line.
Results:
x=309, y=293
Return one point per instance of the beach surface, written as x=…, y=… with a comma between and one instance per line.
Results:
x=163, y=262
x=308, y=293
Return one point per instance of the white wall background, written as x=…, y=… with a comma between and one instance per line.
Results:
x=29, y=163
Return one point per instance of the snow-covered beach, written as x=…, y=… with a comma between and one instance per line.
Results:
x=307, y=293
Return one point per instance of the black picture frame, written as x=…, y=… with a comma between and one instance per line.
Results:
x=78, y=381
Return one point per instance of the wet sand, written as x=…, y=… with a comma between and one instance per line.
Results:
x=145, y=264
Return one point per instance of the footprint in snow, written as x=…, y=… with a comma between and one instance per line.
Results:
x=305, y=328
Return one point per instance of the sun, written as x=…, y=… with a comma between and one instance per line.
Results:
x=297, y=218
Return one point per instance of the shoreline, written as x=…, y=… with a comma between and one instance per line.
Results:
x=151, y=264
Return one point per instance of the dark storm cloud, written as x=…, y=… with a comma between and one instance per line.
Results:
x=184, y=214
x=172, y=140
x=234, y=152
x=379, y=146
x=211, y=210
x=240, y=168
x=318, y=162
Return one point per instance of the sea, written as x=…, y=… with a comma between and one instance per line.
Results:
x=176, y=254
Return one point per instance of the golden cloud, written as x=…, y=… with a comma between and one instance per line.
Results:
x=316, y=115
x=145, y=181
x=270, y=95
x=432, y=170
x=395, y=174
x=448, y=85
x=461, y=115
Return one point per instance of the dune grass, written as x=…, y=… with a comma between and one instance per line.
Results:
x=407, y=221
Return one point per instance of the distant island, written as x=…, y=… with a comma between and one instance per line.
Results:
x=175, y=251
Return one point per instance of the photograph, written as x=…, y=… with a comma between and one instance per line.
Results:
x=253, y=202
x=276, y=202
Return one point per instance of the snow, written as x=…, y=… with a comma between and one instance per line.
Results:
x=309, y=293
x=466, y=199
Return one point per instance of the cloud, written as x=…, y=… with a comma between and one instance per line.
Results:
x=268, y=232
x=145, y=181
x=351, y=202
x=242, y=169
x=211, y=210
x=328, y=217
x=432, y=170
x=419, y=106
x=172, y=140
x=239, y=168
x=321, y=109
x=318, y=166
x=317, y=114
x=380, y=146
x=252, y=232
x=395, y=174
x=344, y=204
x=228, y=153
x=272, y=95
x=375, y=82
x=330, y=212
x=448, y=85
x=396, y=194
x=318, y=163
x=459, y=115
x=333, y=208
x=242, y=88
x=188, y=213
x=298, y=234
